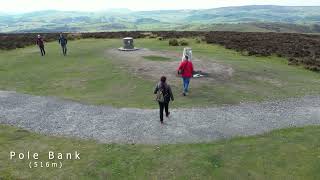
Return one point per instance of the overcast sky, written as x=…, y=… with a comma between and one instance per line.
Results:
x=98, y=5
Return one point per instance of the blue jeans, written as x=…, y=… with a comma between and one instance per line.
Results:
x=186, y=82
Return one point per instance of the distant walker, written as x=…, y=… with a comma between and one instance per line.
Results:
x=63, y=42
x=40, y=43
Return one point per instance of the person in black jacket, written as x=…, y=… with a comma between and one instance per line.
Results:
x=63, y=42
x=164, y=95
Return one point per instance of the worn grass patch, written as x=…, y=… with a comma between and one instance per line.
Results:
x=282, y=154
x=156, y=58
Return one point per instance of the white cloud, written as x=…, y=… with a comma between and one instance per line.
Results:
x=96, y=5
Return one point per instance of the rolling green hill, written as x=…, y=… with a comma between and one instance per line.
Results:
x=244, y=18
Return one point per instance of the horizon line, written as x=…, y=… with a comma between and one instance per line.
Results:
x=132, y=10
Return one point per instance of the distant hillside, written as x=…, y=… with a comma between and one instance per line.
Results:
x=261, y=27
x=245, y=14
x=243, y=18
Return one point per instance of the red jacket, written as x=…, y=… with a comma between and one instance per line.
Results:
x=187, y=68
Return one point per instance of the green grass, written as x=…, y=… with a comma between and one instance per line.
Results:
x=157, y=58
x=85, y=75
x=282, y=154
x=89, y=75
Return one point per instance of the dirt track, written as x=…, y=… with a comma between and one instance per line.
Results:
x=52, y=116
x=136, y=63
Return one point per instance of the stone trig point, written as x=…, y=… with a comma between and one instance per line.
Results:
x=128, y=45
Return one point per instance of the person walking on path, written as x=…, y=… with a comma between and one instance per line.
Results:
x=63, y=42
x=185, y=69
x=164, y=95
x=40, y=43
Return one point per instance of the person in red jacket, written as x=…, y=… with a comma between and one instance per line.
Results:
x=185, y=69
x=40, y=43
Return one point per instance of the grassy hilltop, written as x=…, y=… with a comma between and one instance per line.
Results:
x=91, y=73
x=94, y=72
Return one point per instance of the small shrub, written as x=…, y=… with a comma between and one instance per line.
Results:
x=244, y=53
x=18, y=45
x=183, y=42
x=173, y=42
x=74, y=36
x=198, y=40
x=153, y=36
x=313, y=68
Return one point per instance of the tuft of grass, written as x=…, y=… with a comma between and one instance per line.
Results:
x=157, y=58
x=281, y=154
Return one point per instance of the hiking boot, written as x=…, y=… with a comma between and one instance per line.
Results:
x=168, y=114
x=184, y=94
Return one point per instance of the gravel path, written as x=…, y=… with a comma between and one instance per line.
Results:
x=53, y=116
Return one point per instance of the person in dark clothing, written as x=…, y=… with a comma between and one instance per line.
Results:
x=63, y=42
x=40, y=43
x=164, y=95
